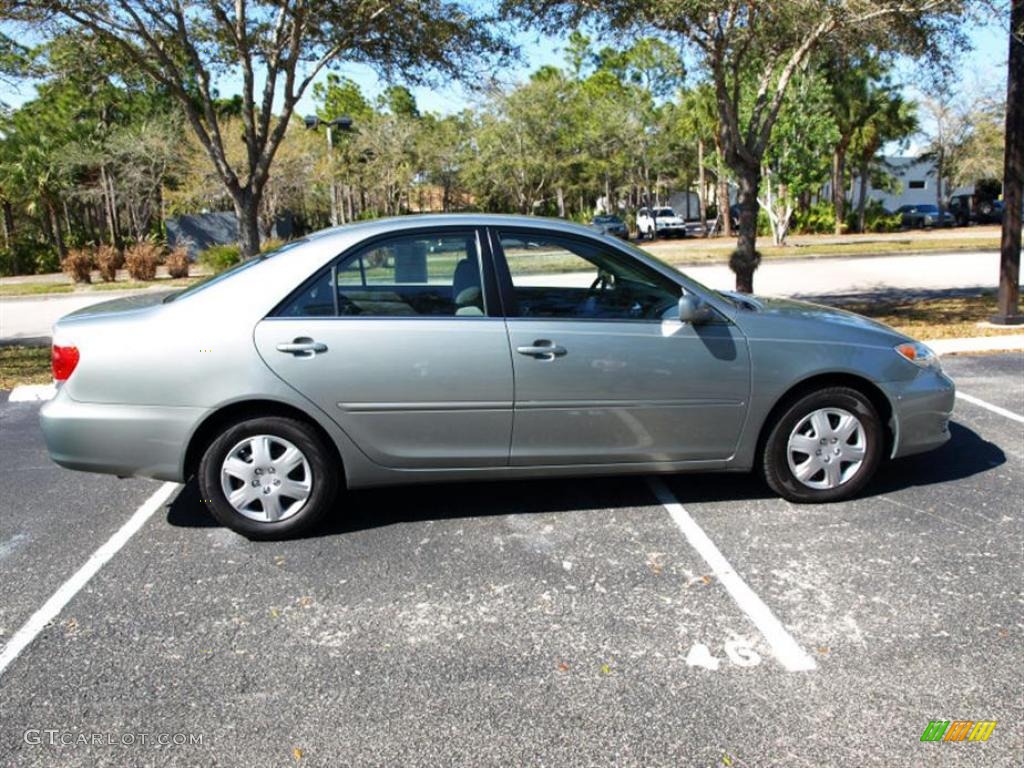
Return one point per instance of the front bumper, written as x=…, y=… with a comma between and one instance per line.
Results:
x=922, y=408
x=116, y=439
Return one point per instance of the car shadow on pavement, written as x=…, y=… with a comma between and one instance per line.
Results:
x=965, y=455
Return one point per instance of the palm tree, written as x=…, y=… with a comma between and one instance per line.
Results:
x=890, y=118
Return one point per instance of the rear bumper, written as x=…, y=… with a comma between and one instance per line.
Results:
x=126, y=440
x=922, y=409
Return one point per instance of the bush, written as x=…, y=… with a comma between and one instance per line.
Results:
x=876, y=219
x=217, y=258
x=819, y=219
x=141, y=260
x=271, y=244
x=177, y=262
x=28, y=257
x=45, y=259
x=108, y=260
x=78, y=265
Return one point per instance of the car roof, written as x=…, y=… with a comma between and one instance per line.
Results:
x=421, y=220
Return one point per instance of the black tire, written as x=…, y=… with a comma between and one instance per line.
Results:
x=324, y=470
x=775, y=462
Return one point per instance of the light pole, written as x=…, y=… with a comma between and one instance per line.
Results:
x=343, y=123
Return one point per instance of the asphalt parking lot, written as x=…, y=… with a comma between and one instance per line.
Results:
x=547, y=623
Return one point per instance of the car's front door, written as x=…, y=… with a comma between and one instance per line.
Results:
x=601, y=373
x=396, y=342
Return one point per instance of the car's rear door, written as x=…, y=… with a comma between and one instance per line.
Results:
x=398, y=342
x=600, y=376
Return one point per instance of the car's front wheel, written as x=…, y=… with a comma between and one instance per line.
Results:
x=268, y=478
x=824, y=447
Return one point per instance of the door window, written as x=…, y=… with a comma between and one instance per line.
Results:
x=564, y=277
x=404, y=276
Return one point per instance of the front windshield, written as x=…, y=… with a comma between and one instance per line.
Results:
x=664, y=212
x=243, y=265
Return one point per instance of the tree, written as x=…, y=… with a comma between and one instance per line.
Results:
x=1008, y=310
x=893, y=119
x=856, y=98
x=764, y=43
x=184, y=46
x=797, y=158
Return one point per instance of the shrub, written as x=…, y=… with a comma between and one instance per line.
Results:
x=217, y=258
x=819, y=219
x=28, y=257
x=108, y=260
x=177, y=262
x=271, y=244
x=45, y=260
x=142, y=259
x=876, y=219
x=78, y=265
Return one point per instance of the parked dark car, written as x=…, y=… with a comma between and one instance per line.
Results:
x=920, y=216
x=969, y=209
x=610, y=225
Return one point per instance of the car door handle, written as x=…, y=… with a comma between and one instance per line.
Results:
x=302, y=347
x=542, y=349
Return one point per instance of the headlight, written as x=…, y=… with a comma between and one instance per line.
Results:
x=919, y=354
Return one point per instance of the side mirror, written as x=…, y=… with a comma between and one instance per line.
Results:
x=691, y=309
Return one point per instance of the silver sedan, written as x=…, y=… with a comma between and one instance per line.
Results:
x=470, y=347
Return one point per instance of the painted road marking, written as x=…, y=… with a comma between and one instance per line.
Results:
x=30, y=393
x=52, y=607
x=783, y=645
x=990, y=407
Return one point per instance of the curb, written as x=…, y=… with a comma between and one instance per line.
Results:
x=1004, y=343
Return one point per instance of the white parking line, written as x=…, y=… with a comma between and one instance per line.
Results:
x=783, y=645
x=52, y=607
x=30, y=393
x=990, y=407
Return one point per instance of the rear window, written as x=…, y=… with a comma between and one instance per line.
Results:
x=240, y=267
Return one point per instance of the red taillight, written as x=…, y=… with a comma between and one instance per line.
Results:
x=63, y=361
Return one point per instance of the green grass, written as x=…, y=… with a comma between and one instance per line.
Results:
x=37, y=289
x=33, y=289
x=24, y=365
x=717, y=251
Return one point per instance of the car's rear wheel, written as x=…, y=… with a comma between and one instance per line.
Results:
x=824, y=447
x=268, y=478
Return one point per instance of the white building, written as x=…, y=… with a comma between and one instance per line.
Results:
x=914, y=182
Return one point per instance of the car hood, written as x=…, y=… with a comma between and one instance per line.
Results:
x=122, y=304
x=842, y=322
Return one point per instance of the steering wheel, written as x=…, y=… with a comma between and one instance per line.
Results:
x=604, y=281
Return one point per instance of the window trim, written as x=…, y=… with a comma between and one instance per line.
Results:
x=489, y=289
x=507, y=288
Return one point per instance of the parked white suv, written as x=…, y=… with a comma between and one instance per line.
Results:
x=659, y=222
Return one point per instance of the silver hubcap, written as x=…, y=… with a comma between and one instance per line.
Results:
x=266, y=478
x=827, y=448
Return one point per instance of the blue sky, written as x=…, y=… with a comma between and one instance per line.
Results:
x=983, y=69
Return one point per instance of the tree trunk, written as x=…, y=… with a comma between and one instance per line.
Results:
x=745, y=259
x=247, y=208
x=560, y=194
x=862, y=202
x=839, y=187
x=1008, y=304
x=108, y=206
x=723, y=193
x=702, y=187
x=8, y=216
x=58, y=235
